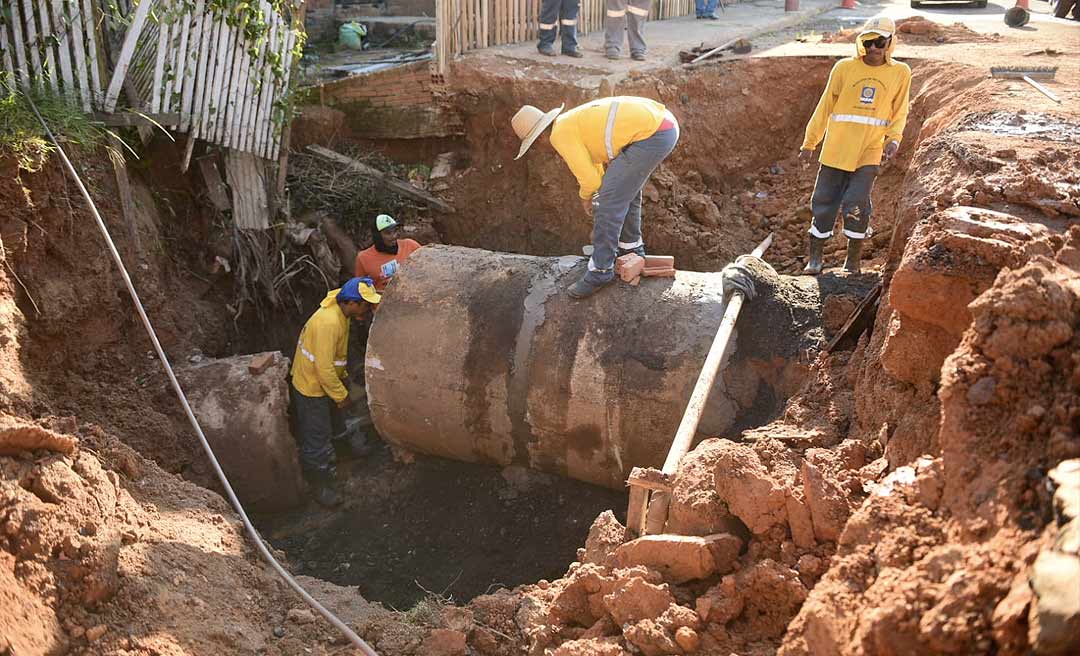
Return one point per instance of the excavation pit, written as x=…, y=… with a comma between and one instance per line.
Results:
x=437, y=526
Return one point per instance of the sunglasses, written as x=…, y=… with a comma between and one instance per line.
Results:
x=878, y=43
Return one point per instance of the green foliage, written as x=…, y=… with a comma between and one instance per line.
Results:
x=21, y=134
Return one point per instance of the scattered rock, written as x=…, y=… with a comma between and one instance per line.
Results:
x=300, y=616
x=94, y=633
x=1055, y=612
x=635, y=599
x=444, y=642
x=279, y=632
x=605, y=536
x=682, y=558
x=703, y=210
x=688, y=639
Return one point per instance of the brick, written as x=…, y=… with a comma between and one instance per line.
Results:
x=629, y=266
x=260, y=363
x=658, y=272
x=655, y=261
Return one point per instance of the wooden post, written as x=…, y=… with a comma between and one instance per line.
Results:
x=126, y=52
x=684, y=436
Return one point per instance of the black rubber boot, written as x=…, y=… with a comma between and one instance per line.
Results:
x=323, y=488
x=854, y=254
x=813, y=264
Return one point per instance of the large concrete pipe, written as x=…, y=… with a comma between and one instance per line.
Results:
x=483, y=357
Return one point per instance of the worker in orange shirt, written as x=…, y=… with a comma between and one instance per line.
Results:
x=381, y=260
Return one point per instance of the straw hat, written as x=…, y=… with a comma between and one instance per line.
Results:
x=530, y=122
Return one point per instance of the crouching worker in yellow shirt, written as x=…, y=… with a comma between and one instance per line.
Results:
x=317, y=393
x=612, y=146
x=861, y=114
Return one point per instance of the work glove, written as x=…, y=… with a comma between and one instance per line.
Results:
x=736, y=277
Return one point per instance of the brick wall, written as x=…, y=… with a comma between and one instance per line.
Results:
x=399, y=103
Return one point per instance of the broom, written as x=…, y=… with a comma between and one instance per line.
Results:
x=1026, y=74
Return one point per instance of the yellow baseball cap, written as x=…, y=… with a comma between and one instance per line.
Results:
x=879, y=25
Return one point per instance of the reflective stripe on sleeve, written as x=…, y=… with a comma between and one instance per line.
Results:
x=610, y=129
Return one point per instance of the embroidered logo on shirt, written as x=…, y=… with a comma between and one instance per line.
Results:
x=389, y=269
x=866, y=97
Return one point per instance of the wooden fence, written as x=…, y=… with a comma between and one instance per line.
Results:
x=464, y=25
x=188, y=67
x=56, y=44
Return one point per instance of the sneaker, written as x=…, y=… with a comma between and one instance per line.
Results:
x=612, y=54
x=637, y=56
x=590, y=283
x=576, y=53
x=711, y=16
x=640, y=250
x=547, y=51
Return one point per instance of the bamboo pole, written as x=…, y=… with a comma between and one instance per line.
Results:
x=684, y=436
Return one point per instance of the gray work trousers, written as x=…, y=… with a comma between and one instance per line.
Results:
x=617, y=217
x=846, y=192
x=559, y=16
x=628, y=16
x=315, y=420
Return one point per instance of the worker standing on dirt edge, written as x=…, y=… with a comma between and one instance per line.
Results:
x=628, y=135
x=561, y=15
x=383, y=258
x=861, y=115
x=628, y=16
x=317, y=391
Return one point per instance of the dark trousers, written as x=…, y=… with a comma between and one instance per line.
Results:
x=315, y=420
x=561, y=15
x=846, y=192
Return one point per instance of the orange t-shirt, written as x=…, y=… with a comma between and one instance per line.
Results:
x=381, y=267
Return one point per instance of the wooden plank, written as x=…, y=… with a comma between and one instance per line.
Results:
x=485, y=16
x=192, y=56
x=36, y=72
x=129, y=119
x=242, y=126
x=635, y=511
x=237, y=67
x=856, y=321
x=224, y=98
x=90, y=25
x=18, y=46
x=195, y=108
x=64, y=48
x=695, y=407
x=278, y=126
x=253, y=81
x=123, y=61
x=45, y=40
x=158, y=82
x=5, y=49
x=172, y=66
x=78, y=47
x=213, y=113
x=267, y=93
x=398, y=186
x=215, y=186
x=127, y=203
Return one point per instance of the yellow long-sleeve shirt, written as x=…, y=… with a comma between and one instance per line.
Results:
x=318, y=366
x=862, y=108
x=586, y=142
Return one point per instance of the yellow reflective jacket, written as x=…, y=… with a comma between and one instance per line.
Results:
x=318, y=366
x=862, y=108
x=586, y=141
